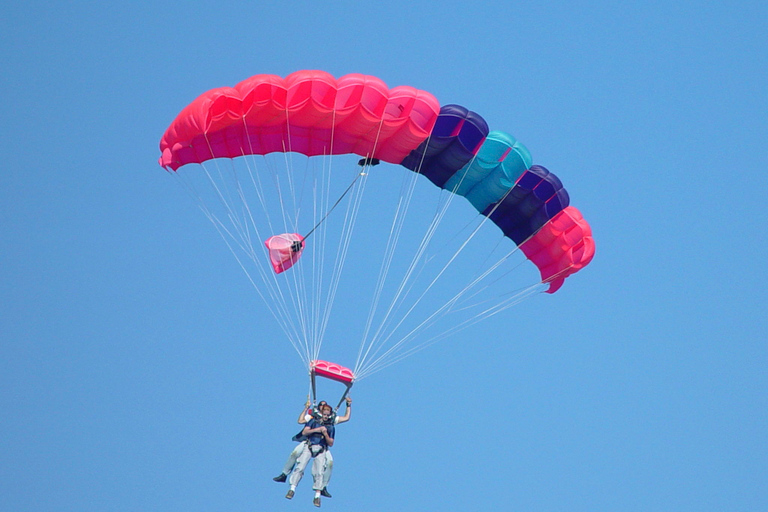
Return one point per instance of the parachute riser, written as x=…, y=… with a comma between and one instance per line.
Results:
x=314, y=392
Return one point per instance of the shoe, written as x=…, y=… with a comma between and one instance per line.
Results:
x=289, y=494
x=325, y=493
x=280, y=478
x=316, y=502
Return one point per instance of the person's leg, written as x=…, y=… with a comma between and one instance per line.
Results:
x=318, y=471
x=328, y=469
x=293, y=457
x=298, y=470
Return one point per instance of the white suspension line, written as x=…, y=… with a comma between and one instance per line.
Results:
x=508, y=303
x=348, y=228
x=226, y=235
x=391, y=355
x=258, y=261
x=410, y=310
x=237, y=224
x=318, y=261
x=395, y=230
x=397, y=300
x=399, y=297
x=349, y=224
x=447, y=307
x=257, y=186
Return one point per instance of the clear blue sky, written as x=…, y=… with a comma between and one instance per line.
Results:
x=139, y=371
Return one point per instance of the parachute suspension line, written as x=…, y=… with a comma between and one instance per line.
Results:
x=439, y=214
x=401, y=292
x=256, y=183
x=288, y=156
x=350, y=219
x=258, y=188
x=314, y=291
x=318, y=263
x=247, y=224
x=398, y=222
x=351, y=215
x=442, y=310
x=363, y=163
x=390, y=356
x=276, y=291
x=394, y=235
x=448, y=306
x=480, y=290
x=378, y=339
x=319, y=194
x=288, y=166
x=227, y=201
x=384, y=363
x=297, y=279
x=302, y=305
x=244, y=235
x=557, y=275
x=276, y=294
x=229, y=238
x=315, y=275
x=483, y=264
x=445, y=307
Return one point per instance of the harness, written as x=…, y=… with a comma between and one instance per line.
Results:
x=314, y=449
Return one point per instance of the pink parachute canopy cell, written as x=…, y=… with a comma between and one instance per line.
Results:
x=308, y=112
x=562, y=247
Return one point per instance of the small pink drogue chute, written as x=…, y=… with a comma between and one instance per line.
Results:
x=284, y=250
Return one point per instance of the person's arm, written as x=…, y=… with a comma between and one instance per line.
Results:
x=303, y=416
x=348, y=413
x=318, y=430
x=328, y=438
x=309, y=431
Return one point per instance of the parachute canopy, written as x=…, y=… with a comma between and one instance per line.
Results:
x=313, y=113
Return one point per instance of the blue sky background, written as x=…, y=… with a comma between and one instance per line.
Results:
x=139, y=371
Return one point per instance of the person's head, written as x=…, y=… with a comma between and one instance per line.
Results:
x=318, y=411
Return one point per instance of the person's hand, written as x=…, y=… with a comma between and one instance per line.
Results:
x=323, y=430
x=308, y=403
x=349, y=401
